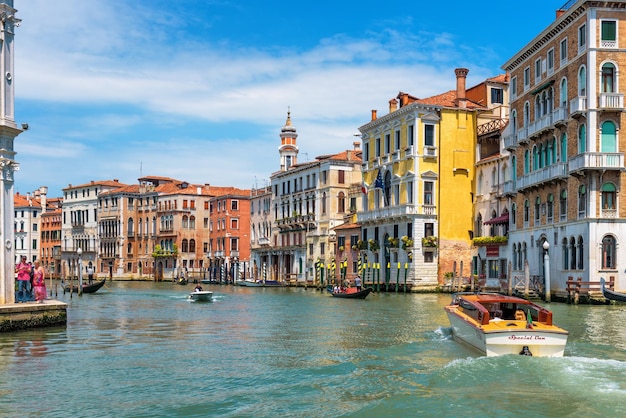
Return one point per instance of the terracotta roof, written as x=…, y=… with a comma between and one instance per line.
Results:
x=128, y=188
x=109, y=183
x=347, y=226
x=447, y=99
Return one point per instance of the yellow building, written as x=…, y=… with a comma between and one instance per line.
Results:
x=418, y=170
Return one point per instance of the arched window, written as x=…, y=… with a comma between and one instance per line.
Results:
x=514, y=168
x=555, y=152
x=572, y=252
x=131, y=227
x=192, y=222
x=387, y=188
x=341, y=202
x=184, y=247
x=526, y=114
x=563, y=93
x=513, y=219
x=608, y=78
x=563, y=151
x=185, y=222
x=565, y=254
x=582, y=139
x=609, y=137
x=550, y=153
x=608, y=252
x=535, y=159
x=550, y=208
x=526, y=211
x=324, y=202
x=514, y=121
x=582, y=201
x=538, y=111
x=608, y=196
x=515, y=256
x=581, y=252
x=129, y=249
x=524, y=254
x=479, y=225
x=537, y=209
x=563, y=205
x=582, y=81
x=526, y=162
x=192, y=245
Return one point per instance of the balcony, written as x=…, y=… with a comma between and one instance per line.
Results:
x=611, y=101
x=548, y=121
x=578, y=106
x=547, y=174
x=430, y=152
x=509, y=188
x=398, y=212
x=596, y=161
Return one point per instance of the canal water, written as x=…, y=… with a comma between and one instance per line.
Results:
x=137, y=349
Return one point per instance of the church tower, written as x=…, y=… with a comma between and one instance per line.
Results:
x=8, y=132
x=288, y=149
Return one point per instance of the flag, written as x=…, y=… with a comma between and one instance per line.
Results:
x=379, y=181
x=529, y=319
x=364, y=187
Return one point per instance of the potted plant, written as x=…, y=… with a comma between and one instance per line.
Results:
x=429, y=242
x=373, y=245
x=407, y=242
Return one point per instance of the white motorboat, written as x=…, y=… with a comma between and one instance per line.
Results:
x=201, y=296
x=496, y=325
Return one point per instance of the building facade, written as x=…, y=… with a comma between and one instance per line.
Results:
x=567, y=108
x=418, y=168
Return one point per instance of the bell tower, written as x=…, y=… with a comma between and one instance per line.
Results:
x=8, y=166
x=288, y=149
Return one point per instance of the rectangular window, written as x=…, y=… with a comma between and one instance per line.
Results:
x=429, y=229
x=185, y=204
x=497, y=96
x=526, y=78
x=234, y=205
x=377, y=147
x=397, y=144
x=341, y=241
x=341, y=177
x=582, y=38
x=234, y=223
x=409, y=192
x=234, y=244
x=429, y=257
x=34, y=227
x=206, y=223
x=428, y=192
x=322, y=248
x=550, y=61
x=410, y=135
x=608, y=37
x=429, y=135
x=563, y=52
x=34, y=244
x=387, y=144
x=366, y=152
x=513, y=87
x=537, y=70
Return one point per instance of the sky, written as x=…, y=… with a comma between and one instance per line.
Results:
x=199, y=90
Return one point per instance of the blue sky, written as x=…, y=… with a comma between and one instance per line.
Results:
x=198, y=89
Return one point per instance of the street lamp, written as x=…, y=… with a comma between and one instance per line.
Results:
x=79, y=252
x=546, y=268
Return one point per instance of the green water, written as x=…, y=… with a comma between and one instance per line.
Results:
x=144, y=350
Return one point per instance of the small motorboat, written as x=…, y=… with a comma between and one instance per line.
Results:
x=351, y=293
x=87, y=288
x=201, y=296
x=497, y=324
x=612, y=294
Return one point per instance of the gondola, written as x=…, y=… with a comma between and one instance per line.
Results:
x=612, y=294
x=352, y=293
x=87, y=288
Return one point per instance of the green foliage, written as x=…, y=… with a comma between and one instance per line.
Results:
x=497, y=240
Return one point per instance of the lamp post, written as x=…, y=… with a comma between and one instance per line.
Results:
x=79, y=252
x=546, y=268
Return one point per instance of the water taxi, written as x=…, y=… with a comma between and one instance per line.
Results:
x=497, y=324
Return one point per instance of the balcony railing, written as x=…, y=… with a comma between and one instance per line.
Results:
x=578, y=105
x=597, y=161
x=396, y=212
x=552, y=172
x=609, y=213
x=611, y=101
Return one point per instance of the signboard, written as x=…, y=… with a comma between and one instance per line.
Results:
x=493, y=251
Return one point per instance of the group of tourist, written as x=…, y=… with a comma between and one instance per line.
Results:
x=30, y=279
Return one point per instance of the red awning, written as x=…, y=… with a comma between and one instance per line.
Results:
x=502, y=219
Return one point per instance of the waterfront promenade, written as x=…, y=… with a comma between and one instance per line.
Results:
x=143, y=349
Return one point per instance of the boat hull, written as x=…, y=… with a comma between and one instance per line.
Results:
x=202, y=296
x=348, y=294
x=612, y=294
x=501, y=337
x=87, y=288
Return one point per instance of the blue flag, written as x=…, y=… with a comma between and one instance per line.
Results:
x=379, y=181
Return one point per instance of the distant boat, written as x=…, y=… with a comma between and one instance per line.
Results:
x=263, y=283
x=87, y=288
x=612, y=294
x=352, y=293
x=201, y=296
x=209, y=281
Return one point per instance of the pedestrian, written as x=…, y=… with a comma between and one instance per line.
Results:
x=357, y=282
x=40, y=283
x=23, y=280
x=90, y=274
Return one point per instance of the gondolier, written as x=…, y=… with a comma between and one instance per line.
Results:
x=357, y=282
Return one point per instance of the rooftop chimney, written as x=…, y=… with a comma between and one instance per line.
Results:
x=356, y=145
x=461, y=74
x=393, y=105
x=374, y=114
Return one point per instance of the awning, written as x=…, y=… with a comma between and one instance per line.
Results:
x=502, y=219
